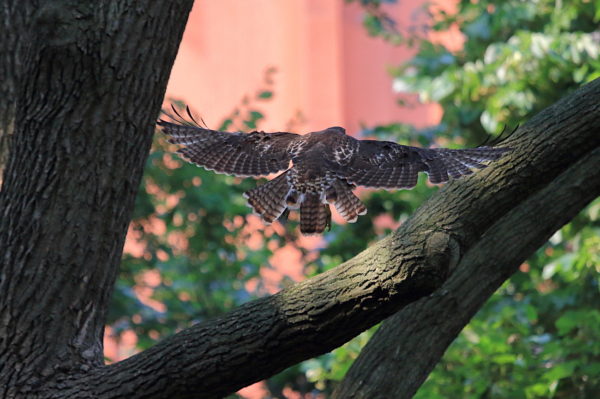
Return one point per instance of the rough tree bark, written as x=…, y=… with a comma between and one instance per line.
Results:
x=83, y=129
x=93, y=78
x=15, y=17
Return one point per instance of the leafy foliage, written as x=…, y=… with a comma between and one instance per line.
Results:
x=518, y=58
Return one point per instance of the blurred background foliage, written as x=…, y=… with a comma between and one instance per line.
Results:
x=537, y=337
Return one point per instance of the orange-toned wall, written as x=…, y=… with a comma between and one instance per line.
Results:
x=328, y=68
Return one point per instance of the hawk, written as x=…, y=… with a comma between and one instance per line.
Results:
x=325, y=167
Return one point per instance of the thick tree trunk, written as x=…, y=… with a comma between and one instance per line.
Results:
x=96, y=72
x=93, y=80
x=15, y=16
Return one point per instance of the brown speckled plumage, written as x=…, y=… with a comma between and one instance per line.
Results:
x=326, y=167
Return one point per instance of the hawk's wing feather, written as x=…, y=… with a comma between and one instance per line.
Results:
x=240, y=154
x=389, y=165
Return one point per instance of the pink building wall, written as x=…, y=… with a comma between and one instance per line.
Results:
x=328, y=68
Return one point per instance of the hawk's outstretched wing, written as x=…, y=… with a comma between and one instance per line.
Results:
x=240, y=154
x=389, y=165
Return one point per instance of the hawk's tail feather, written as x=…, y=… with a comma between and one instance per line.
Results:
x=315, y=216
x=346, y=203
x=268, y=200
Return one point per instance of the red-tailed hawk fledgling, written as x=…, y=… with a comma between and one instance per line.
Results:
x=326, y=167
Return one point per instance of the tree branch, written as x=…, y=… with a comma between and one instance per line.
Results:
x=495, y=257
x=265, y=336
x=514, y=237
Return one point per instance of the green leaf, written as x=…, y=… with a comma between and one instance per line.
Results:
x=505, y=358
x=568, y=322
x=265, y=94
x=560, y=371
